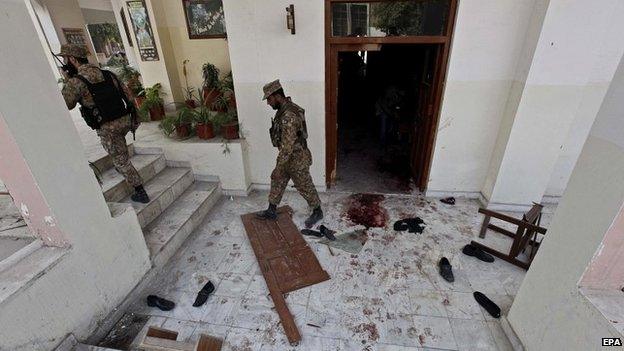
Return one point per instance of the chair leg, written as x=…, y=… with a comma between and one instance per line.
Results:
x=484, y=226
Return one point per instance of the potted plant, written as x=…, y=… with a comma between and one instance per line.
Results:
x=132, y=79
x=189, y=94
x=210, y=89
x=227, y=89
x=152, y=103
x=204, y=125
x=180, y=123
x=230, y=126
x=221, y=104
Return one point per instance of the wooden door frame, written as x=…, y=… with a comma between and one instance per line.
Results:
x=336, y=44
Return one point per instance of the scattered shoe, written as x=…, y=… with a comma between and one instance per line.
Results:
x=140, y=195
x=162, y=304
x=488, y=304
x=448, y=200
x=311, y=232
x=269, y=214
x=478, y=253
x=203, y=294
x=328, y=233
x=446, y=270
x=317, y=215
x=412, y=225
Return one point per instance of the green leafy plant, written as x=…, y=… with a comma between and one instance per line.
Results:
x=222, y=103
x=169, y=124
x=203, y=115
x=210, y=74
x=189, y=93
x=131, y=77
x=152, y=97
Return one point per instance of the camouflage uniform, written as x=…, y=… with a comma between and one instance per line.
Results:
x=289, y=134
x=112, y=134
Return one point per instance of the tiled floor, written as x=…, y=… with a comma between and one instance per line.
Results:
x=389, y=297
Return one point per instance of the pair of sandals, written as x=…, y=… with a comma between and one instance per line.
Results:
x=166, y=305
x=322, y=232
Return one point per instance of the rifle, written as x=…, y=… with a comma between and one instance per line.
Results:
x=69, y=69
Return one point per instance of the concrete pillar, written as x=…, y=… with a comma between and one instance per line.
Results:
x=566, y=43
x=550, y=312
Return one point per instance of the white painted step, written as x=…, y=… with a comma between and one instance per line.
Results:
x=163, y=189
x=165, y=234
x=115, y=186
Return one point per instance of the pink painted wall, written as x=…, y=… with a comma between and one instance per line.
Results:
x=18, y=179
x=606, y=270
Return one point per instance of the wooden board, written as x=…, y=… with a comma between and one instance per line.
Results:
x=286, y=261
x=158, y=339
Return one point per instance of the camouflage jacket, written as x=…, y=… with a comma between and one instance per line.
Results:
x=289, y=132
x=75, y=91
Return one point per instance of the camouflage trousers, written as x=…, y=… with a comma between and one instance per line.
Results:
x=299, y=172
x=113, y=138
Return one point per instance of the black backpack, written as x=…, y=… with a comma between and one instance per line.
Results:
x=110, y=101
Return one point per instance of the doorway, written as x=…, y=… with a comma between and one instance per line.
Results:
x=383, y=91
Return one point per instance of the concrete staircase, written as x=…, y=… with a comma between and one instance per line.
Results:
x=178, y=201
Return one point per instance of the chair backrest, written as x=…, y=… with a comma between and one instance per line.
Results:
x=533, y=215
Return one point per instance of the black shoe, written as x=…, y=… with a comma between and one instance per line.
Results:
x=478, y=253
x=162, y=304
x=270, y=213
x=329, y=234
x=203, y=294
x=446, y=270
x=310, y=232
x=140, y=195
x=316, y=216
x=488, y=304
x=448, y=200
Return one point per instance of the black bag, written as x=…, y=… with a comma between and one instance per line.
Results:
x=110, y=101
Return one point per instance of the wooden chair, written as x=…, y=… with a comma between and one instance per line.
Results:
x=523, y=238
x=158, y=339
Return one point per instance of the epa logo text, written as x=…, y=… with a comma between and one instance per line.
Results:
x=611, y=342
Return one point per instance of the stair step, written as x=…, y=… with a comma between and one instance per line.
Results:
x=83, y=347
x=103, y=161
x=163, y=189
x=167, y=233
x=114, y=185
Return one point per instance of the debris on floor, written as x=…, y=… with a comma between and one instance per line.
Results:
x=412, y=225
x=166, y=340
x=124, y=332
x=351, y=242
x=286, y=261
x=487, y=304
x=328, y=233
x=366, y=210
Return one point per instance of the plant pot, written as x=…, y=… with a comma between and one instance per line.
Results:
x=230, y=130
x=232, y=103
x=205, y=131
x=157, y=112
x=138, y=101
x=210, y=96
x=190, y=103
x=183, y=130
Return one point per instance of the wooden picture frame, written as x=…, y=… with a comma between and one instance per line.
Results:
x=122, y=14
x=75, y=36
x=142, y=28
x=205, y=19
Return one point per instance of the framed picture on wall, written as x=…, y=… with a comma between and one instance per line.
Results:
x=75, y=36
x=122, y=14
x=204, y=18
x=142, y=30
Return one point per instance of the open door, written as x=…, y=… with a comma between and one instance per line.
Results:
x=425, y=114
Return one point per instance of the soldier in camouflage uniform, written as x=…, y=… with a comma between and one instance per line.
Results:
x=112, y=133
x=289, y=133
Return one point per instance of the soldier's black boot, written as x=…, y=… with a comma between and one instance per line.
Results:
x=317, y=215
x=140, y=195
x=270, y=213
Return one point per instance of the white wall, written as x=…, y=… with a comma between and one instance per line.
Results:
x=486, y=48
x=108, y=256
x=261, y=50
x=549, y=313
